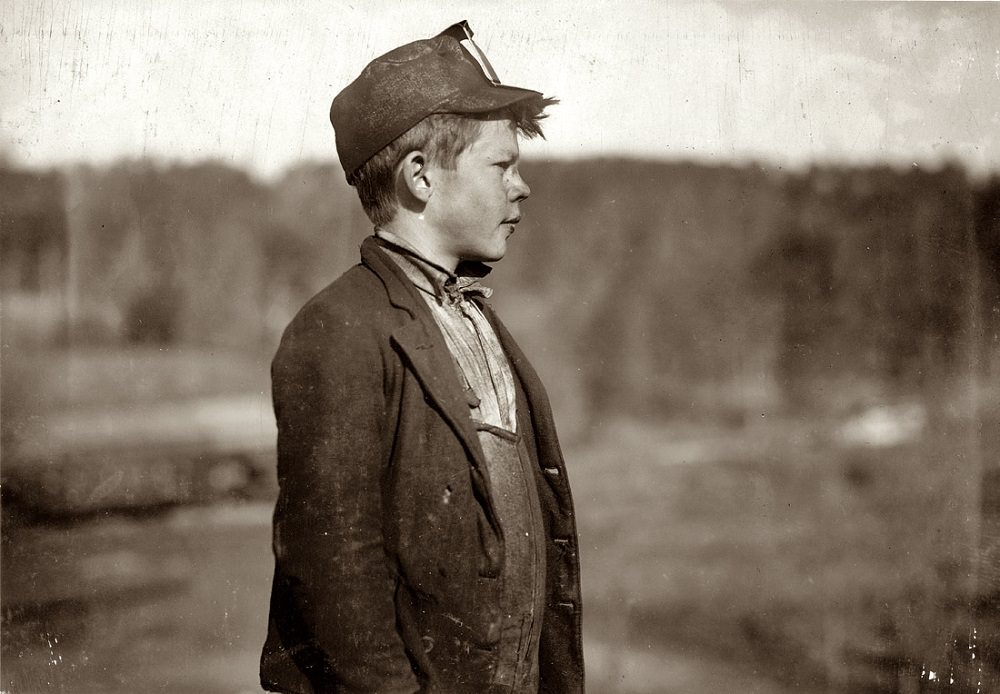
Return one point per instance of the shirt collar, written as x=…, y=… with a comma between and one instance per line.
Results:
x=431, y=278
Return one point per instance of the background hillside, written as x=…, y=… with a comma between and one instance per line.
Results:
x=651, y=280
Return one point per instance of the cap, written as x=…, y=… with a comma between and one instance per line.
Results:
x=399, y=89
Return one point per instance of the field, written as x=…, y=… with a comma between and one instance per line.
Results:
x=773, y=554
x=768, y=557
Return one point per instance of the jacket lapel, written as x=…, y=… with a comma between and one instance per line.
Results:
x=433, y=366
x=423, y=348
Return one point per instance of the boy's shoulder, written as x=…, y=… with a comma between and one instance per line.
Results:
x=353, y=310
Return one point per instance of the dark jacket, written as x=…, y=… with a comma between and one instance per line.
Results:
x=387, y=552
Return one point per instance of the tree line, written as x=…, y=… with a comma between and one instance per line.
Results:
x=649, y=284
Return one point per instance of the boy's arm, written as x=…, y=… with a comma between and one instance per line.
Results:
x=328, y=535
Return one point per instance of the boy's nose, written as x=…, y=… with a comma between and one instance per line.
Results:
x=519, y=190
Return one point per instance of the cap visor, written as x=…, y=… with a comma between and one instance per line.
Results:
x=489, y=98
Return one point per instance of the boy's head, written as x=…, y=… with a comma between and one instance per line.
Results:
x=433, y=95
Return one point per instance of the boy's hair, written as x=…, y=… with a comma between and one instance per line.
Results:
x=442, y=137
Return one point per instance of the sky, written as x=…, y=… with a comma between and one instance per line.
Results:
x=249, y=82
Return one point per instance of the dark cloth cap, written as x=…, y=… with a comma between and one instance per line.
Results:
x=399, y=89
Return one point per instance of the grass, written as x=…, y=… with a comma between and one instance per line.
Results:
x=173, y=603
x=776, y=549
x=713, y=561
x=768, y=558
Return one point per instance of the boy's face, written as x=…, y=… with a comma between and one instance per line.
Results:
x=475, y=205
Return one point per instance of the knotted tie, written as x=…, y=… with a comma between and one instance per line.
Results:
x=457, y=289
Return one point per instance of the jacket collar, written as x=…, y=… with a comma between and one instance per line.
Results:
x=401, y=292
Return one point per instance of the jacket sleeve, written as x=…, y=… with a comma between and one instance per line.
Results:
x=330, y=407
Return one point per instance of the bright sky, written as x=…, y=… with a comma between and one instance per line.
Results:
x=250, y=82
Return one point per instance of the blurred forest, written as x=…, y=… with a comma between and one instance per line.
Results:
x=779, y=394
x=668, y=285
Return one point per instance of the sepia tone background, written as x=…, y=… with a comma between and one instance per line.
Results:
x=759, y=273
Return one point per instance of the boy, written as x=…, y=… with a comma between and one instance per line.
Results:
x=424, y=534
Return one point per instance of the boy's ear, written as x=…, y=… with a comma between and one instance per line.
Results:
x=413, y=172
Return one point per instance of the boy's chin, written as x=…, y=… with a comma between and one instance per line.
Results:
x=483, y=255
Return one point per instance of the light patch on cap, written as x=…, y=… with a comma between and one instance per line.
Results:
x=481, y=60
x=475, y=51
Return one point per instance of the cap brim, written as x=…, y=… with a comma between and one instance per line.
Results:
x=489, y=98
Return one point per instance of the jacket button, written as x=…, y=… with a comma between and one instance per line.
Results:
x=428, y=643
